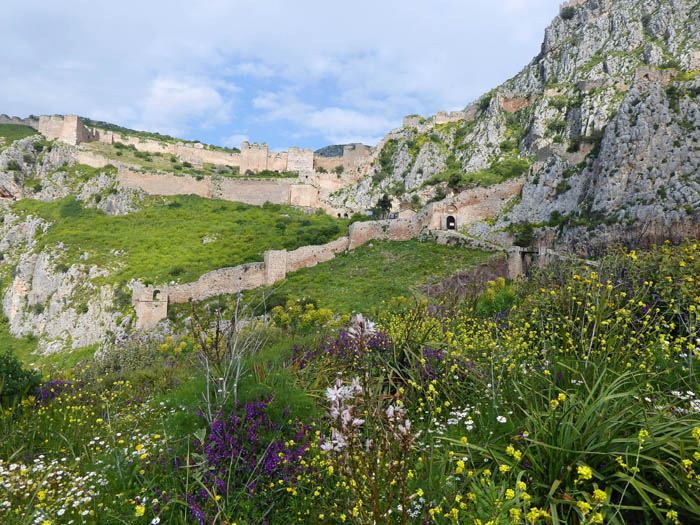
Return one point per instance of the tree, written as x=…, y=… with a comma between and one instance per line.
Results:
x=384, y=204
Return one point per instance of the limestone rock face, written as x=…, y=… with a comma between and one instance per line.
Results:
x=60, y=304
x=608, y=114
x=41, y=294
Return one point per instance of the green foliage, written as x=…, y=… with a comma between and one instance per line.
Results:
x=525, y=236
x=485, y=101
x=13, y=132
x=339, y=170
x=568, y=13
x=556, y=127
x=158, y=238
x=13, y=165
x=15, y=381
x=498, y=172
x=562, y=188
x=385, y=162
x=384, y=204
x=366, y=277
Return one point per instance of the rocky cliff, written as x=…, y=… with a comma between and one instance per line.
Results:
x=42, y=294
x=605, y=120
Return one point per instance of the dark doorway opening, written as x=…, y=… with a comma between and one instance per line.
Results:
x=451, y=223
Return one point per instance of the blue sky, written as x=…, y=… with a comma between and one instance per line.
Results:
x=291, y=73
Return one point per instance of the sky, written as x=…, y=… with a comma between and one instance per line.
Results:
x=299, y=73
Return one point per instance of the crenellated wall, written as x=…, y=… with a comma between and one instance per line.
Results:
x=253, y=157
x=249, y=191
x=69, y=129
x=300, y=160
x=32, y=122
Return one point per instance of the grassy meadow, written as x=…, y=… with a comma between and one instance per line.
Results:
x=11, y=132
x=569, y=397
x=180, y=240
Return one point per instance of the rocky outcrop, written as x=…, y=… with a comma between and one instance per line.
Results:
x=608, y=114
x=59, y=303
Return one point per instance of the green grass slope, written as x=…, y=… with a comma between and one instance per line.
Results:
x=181, y=240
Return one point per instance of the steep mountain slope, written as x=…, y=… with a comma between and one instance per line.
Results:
x=607, y=115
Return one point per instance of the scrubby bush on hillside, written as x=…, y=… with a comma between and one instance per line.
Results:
x=15, y=380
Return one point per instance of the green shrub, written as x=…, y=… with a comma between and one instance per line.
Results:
x=568, y=13
x=13, y=165
x=526, y=236
x=15, y=381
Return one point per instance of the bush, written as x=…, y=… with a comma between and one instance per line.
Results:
x=15, y=381
x=568, y=13
x=13, y=165
x=525, y=237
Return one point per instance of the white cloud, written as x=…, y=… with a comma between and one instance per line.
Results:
x=342, y=126
x=234, y=141
x=172, y=105
x=308, y=69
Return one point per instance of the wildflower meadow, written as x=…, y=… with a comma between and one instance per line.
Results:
x=570, y=396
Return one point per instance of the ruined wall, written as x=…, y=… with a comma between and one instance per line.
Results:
x=277, y=161
x=31, y=122
x=253, y=191
x=327, y=163
x=249, y=191
x=198, y=154
x=218, y=282
x=356, y=157
x=68, y=129
x=303, y=195
x=300, y=160
x=412, y=121
x=150, y=304
x=164, y=184
x=253, y=157
x=513, y=104
x=91, y=159
x=308, y=256
x=391, y=230
x=474, y=205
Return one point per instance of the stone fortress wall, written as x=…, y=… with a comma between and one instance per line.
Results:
x=32, y=122
x=151, y=302
x=252, y=157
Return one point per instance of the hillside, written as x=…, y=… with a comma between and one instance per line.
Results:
x=491, y=318
x=607, y=117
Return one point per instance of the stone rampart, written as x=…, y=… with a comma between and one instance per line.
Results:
x=91, y=159
x=69, y=129
x=164, y=184
x=218, y=282
x=253, y=191
x=300, y=160
x=253, y=157
x=277, y=161
x=150, y=305
x=308, y=256
x=303, y=195
x=198, y=154
x=31, y=122
x=513, y=104
x=327, y=163
x=249, y=191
